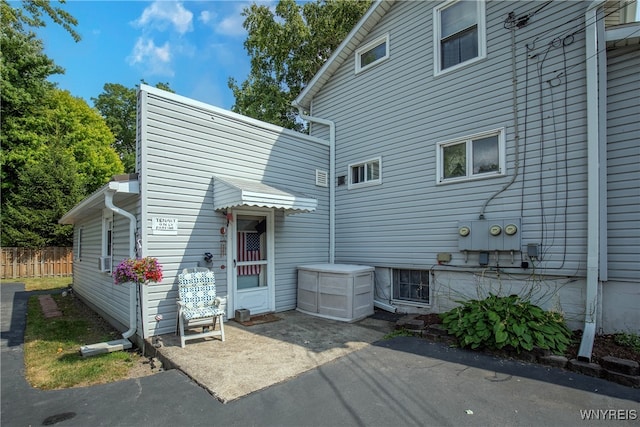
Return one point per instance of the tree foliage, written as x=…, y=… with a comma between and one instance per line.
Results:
x=55, y=148
x=287, y=48
x=66, y=154
x=117, y=104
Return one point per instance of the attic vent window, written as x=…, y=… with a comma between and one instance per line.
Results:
x=372, y=53
x=322, y=178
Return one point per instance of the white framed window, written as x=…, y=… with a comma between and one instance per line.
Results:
x=106, y=260
x=79, y=244
x=459, y=35
x=477, y=156
x=411, y=286
x=365, y=173
x=372, y=53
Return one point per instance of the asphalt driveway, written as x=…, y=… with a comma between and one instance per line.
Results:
x=402, y=382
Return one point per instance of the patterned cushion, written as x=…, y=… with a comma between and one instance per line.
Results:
x=197, y=313
x=197, y=292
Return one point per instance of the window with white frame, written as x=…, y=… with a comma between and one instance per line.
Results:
x=477, y=156
x=411, y=286
x=79, y=244
x=365, y=173
x=459, y=34
x=372, y=53
x=106, y=260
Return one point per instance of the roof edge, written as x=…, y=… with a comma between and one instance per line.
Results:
x=332, y=63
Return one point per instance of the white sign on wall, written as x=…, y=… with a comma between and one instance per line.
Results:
x=161, y=225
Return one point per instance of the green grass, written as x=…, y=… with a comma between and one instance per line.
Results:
x=52, y=347
x=42, y=283
x=399, y=333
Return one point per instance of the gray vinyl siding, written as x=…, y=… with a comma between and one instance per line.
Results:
x=95, y=287
x=623, y=164
x=398, y=110
x=184, y=144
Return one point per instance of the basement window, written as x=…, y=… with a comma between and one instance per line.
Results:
x=411, y=286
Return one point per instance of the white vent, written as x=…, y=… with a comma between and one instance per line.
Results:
x=322, y=178
x=104, y=264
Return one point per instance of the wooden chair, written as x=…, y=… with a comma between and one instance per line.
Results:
x=198, y=305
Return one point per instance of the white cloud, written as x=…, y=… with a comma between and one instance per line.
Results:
x=225, y=21
x=231, y=26
x=160, y=14
x=206, y=16
x=154, y=59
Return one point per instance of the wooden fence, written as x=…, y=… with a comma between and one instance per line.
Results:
x=46, y=262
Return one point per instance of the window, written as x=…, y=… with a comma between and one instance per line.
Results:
x=459, y=34
x=372, y=53
x=106, y=260
x=366, y=173
x=411, y=286
x=79, y=245
x=477, y=156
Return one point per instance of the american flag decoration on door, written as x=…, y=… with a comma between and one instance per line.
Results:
x=248, y=250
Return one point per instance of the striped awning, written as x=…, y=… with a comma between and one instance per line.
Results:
x=231, y=192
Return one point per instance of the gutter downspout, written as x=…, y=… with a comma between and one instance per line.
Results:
x=593, y=181
x=332, y=171
x=108, y=201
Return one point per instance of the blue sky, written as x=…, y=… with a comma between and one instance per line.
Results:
x=195, y=46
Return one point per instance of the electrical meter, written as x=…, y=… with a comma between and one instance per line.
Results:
x=495, y=230
x=510, y=229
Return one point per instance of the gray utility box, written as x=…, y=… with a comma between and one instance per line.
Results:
x=336, y=291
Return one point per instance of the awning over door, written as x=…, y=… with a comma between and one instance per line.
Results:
x=229, y=192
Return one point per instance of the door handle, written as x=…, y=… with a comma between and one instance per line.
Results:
x=234, y=263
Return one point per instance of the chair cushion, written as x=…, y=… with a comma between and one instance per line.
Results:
x=200, y=312
x=197, y=293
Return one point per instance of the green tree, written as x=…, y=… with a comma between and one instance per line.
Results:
x=287, y=48
x=69, y=155
x=47, y=187
x=31, y=13
x=117, y=104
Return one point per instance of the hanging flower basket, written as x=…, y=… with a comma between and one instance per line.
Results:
x=143, y=270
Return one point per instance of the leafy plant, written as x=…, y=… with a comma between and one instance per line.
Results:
x=506, y=321
x=630, y=340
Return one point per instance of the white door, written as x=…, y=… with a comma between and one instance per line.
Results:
x=252, y=265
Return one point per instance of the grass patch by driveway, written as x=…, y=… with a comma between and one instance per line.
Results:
x=52, y=347
x=42, y=283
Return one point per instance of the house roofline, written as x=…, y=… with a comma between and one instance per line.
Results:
x=377, y=10
x=228, y=114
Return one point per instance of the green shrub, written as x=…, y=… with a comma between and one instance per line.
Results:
x=630, y=340
x=497, y=322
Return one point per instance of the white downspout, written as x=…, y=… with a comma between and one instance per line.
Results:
x=108, y=201
x=593, y=180
x=332, y=182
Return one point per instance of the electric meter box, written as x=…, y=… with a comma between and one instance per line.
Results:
x=490, y=235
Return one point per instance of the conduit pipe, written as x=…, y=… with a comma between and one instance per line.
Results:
x=108, y=201
x=593, y=177
x=332, y=170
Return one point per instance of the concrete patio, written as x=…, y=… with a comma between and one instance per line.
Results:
x=255, y=357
